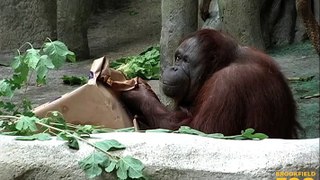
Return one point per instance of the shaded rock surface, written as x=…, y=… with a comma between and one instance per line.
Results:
x=21, y=20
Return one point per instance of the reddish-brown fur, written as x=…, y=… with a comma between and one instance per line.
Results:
x=240, y=88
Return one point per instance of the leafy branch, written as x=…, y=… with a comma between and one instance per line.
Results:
x=52, y=55
x=245, y=134
x=94, y=164
x=145, y=65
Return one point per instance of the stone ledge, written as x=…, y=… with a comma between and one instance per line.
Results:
x=166, y=156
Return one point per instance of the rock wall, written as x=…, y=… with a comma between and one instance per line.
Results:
x=26, y=21
x=72, y=25
x=35, y=20
x=276, y=20
x=242, y=19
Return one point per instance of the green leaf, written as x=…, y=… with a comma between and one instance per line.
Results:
x=57, y=60
x=11, y=133
x=57, y=51
x=129, y=166
x=90, y=129
x=27, y=107
x=26, y=138
x=109, y=145
x=86, y=129
x=145, y=65
x=129, y=129
x=111, y=166
x=122, y=170
x=215, y=135
x=42, y=68
x=8, y=106
x=56, y=47
x=32, y=58
x=40, y=137
x=26, y=123
x=159, y=130
x=238, y=137
x=73, y=143
x=248, y=131
x=56, y=116
x=41, y=75
x=74, y=80
x=103, y=130
x=115, y=64
x=9, y=127
x=46, y=61
x=259, y=136
x=63, y=136
x=20, y=75
x=43, y=136
x=92, y=164
x=249, y=134
x=71, y=56
x=5, y=89
x=16, y=62
x=188, y=130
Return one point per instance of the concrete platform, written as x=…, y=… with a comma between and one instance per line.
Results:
x=166, y=156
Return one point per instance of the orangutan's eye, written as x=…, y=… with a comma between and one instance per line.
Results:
x=178, y=58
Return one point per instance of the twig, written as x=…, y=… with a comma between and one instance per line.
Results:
x=26, y=43
x=310, y=97
x=9, y=117
x=308, y=78
x=135, y=124
x=77, y=137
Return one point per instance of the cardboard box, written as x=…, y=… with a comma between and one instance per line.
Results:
x=92, y=103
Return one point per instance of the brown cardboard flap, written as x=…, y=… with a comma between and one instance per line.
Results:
x=92, y=103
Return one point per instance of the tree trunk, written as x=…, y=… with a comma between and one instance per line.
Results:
x=241, y=19
x=72, y=25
